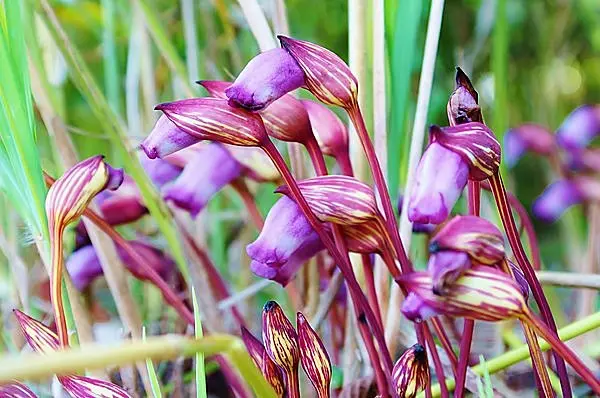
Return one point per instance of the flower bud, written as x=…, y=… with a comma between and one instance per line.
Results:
x=481, y=293
x=563, y=194
x=445, y=268
x=70, y=195
x=215, y=88
x=411, y=372
x=580, y=127
x=440, y=178
x=254, y=347
x=43, y=340
x=314, y=357
x=213, y=119
x=463, y=105
x=211, y=169
x=280, y=338
x=262, y=361
x=475, y=143
x=122, y=206
x=16, y=390
x=527, y=137
x=274, y=375
x=326, y=76
x=267, y=77
x=473, y=235
x=285, y=243
x=329, y=130
x=166, y=138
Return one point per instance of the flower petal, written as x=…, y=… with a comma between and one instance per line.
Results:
x=314, y=357
x=39, y=337
x=16, y=390
x=86, y=387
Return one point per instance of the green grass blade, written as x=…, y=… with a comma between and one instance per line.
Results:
x=154, y=382
x=112, y=78
x=200, y=366
x=500, y=70
x=115, y=129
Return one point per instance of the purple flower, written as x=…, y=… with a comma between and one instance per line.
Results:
x=528, y=137
x=556, y=199
x=416, y=309
x=84, y=266
x=160, y=171
x=285, y=243
x=446, y=267
x=123, y=205
x=166, y=138
x=210, y=170
x=440, y=178
x=267, y=77
x=580, y=127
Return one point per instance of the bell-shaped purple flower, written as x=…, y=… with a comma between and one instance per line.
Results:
x=166, y=138
x=580, y=127
x=446, y=267
x=416, y=309
x=267, y=77
x=123, y=205
x=440, y=178
x=556, y=199
x=285, y=243
x=527, y=138
x=206, y=174
x=160, y=171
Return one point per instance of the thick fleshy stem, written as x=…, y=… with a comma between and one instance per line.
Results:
x=293, y=384
x=510, y=227
x=437, y=364
x=358, y=298
x=57, y=256
x=240, y=186
x=474, y=198
x=446, y=344
x=583, y=371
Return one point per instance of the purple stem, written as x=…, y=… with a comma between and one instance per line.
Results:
x=513, y=237
x=437, y=364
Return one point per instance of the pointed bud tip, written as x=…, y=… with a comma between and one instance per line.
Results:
x=270, y=305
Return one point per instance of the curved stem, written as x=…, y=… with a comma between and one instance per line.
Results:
x=343, y=160
x=240, y=186
x=508, y=221
x=542, y=378
x=370, y=282
x=437, y=364
x=57, y=261
x=316, y=156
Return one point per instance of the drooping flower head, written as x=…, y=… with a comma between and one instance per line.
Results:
x=563, y=194
x=314, y=357
x=123, y=205
x=580, y=127
x=267, y=77
x=166, y=138
x=445, y=268
x=207, y=173
x=463, y=105
x=525, y=138
x=411, y=372
x=285, y=243
x=43, y=341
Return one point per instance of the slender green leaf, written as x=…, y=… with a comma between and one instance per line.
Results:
x=154, y=382
x=200, y=367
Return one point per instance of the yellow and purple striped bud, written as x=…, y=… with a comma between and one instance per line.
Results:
x=473, y=235
x=527, y=138
x=214, y=120
x=42, y=340
x=66, y=201
x=463, y=105
x=481, y=293
x=263, y=362
x=411, y=372
x=475, y=143
x=563, y=194
x=280, y=339
x=329, y=130
x=210, y=169
x=166, y=138
x=579, y=128
x=267, y=77
x=314, y=357
x=16, y=390
x=326, y=75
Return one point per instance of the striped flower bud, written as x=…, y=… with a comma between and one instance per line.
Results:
x=411, y=372
x=267, y=77
x=527, y=138
x=473, y=235
x=280, y=338
x=475, y=143
x=66, y=201
x=254, y=347
x=285, y=118
x=481, y=293
x=273, y=375
x=166, y=138
x=329, y=130
x=463, y=105
x=314, y=357
x=262, y=361
x=325, y=74
x=43, y=340
x=213, y=119
x=16, y=390
x=580, y=127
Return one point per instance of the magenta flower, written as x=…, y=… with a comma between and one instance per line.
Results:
x=556, y=199
x=416, y=309
x=160, y=171
x=525, y=138
x=124, y=205
x=285, y=243
x=210, y=170
x=440, y=178
x=580, y=127
x=166, y=138
x=84, y=265
x=445, y=268
x=267, y=77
